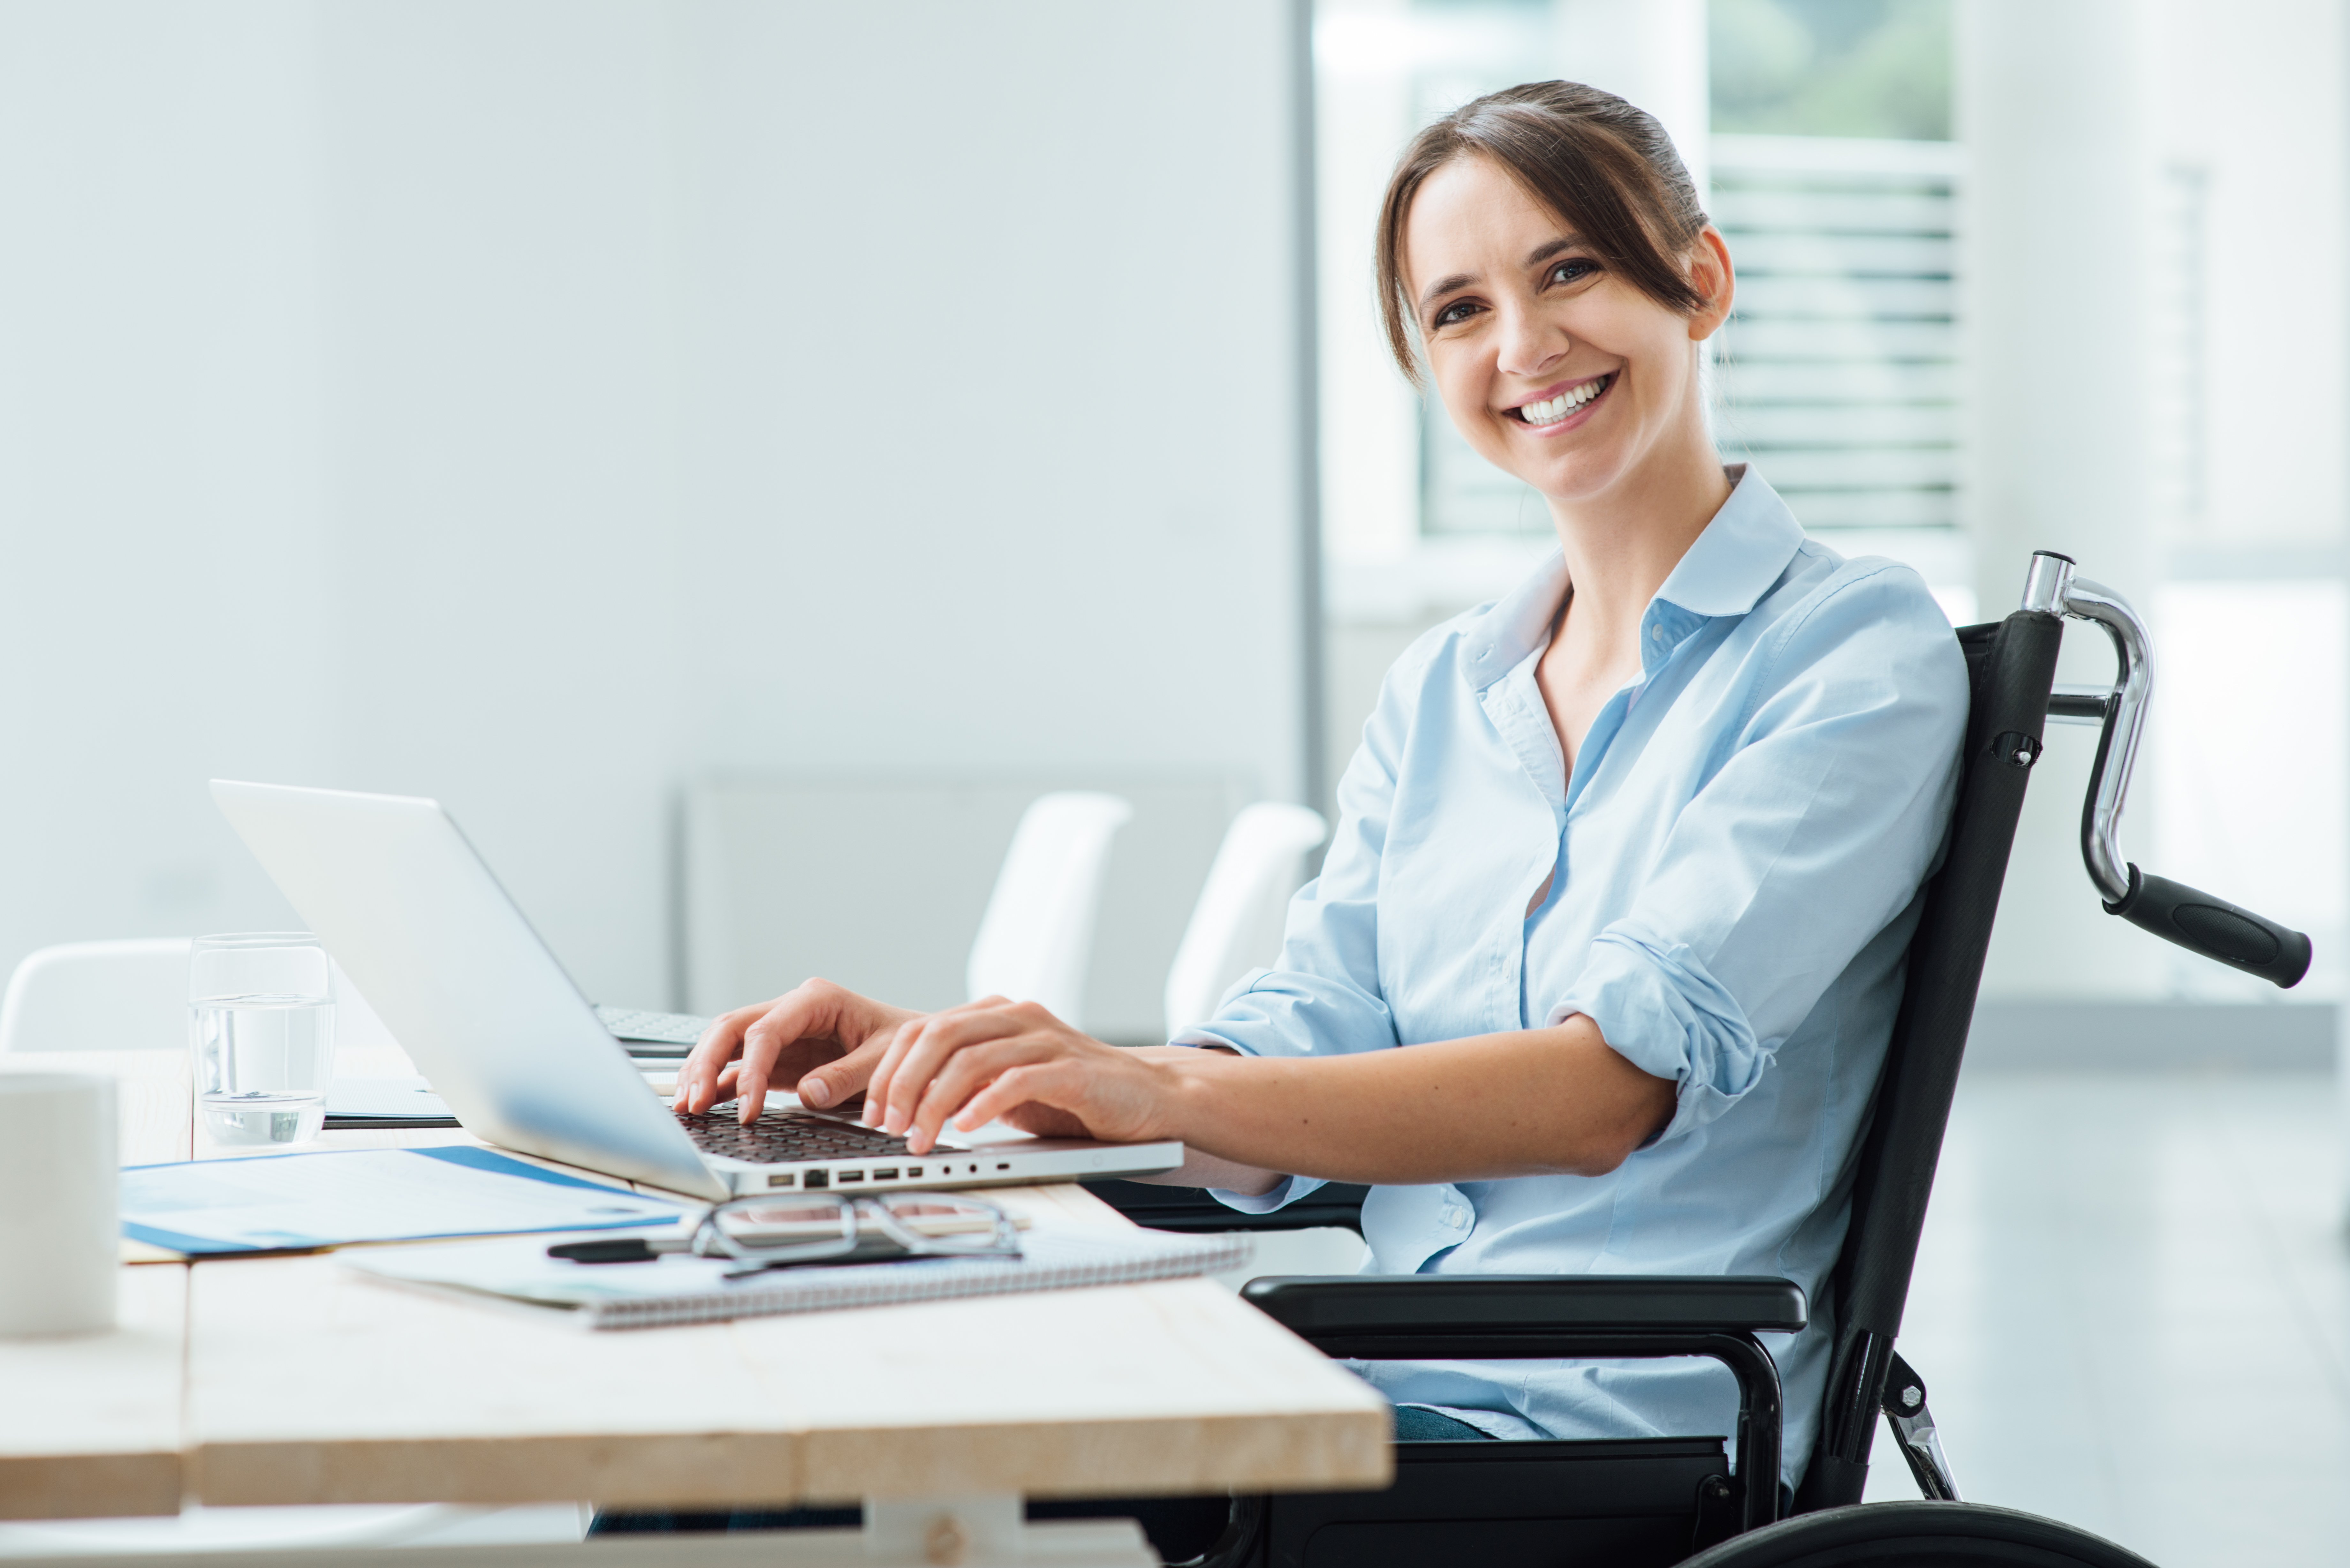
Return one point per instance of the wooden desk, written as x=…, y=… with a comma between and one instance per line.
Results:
x=290, y=1381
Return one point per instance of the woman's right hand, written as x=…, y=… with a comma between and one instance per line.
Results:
x=818, y=1041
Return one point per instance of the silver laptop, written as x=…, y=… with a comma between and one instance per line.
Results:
x=430, y=938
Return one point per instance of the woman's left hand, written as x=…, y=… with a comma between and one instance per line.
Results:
x=1014, y=1061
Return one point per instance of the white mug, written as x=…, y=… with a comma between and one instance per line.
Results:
x=59, y=1247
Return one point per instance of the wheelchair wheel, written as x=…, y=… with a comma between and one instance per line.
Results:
x=1917, y=1535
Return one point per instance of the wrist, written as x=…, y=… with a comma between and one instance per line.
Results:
x=1190, y=1095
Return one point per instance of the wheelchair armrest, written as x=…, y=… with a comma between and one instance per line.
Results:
x=1187, y=1209
x=1453, y=1306
x=1499, y=1317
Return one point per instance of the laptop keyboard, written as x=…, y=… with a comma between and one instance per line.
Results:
x=634, y=1024
x=786, y=1139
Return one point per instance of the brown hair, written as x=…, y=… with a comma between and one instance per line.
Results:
x=1606, y=168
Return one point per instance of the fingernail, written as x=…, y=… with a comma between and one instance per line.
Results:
x=816, y=1092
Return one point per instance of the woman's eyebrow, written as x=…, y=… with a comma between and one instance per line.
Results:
x=1549, y=248
x=1444, y=286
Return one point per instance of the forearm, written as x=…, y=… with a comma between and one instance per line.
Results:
x=1200, y=1169
x=1535, y=1102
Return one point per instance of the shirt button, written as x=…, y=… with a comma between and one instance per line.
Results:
x=1657, y=632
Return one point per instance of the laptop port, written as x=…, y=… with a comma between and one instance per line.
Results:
x=887, y=1173
x=914, y=1173
x=1004, y=1166
x=782, y=1177
x=817, y=1178
x=846, y=1177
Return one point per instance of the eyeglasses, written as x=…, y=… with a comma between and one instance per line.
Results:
x=770, y=1231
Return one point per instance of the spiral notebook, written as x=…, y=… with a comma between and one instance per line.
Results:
x=682, y=1289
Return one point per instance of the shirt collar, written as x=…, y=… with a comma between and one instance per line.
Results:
x=1740, y=553
x=1731, y=565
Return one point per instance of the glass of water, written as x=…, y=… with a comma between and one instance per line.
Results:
x=261, y=1024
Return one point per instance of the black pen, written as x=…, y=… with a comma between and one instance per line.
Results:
x=621, y=1249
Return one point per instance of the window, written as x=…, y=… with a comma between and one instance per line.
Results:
x=1838, y=373
x=1837, y=186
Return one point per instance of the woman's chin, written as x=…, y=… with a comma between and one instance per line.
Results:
x=1575, y=484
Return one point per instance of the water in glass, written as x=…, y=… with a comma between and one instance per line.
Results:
x=263, y=1064
x=262, y=1030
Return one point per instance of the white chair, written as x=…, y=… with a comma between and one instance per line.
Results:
x=98, y=996
x=1037, y=935
x=132, y=995
x=1236, y=925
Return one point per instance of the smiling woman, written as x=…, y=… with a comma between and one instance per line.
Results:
x=1602, y=963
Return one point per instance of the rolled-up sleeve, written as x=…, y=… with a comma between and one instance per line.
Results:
x=1814, y=835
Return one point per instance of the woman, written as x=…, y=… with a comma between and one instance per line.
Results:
x=1628, y=859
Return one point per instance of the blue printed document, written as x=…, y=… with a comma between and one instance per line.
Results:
x=300, y=1202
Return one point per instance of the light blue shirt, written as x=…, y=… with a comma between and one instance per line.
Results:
x=1737, y=859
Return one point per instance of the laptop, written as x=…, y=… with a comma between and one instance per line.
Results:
x=465, y=985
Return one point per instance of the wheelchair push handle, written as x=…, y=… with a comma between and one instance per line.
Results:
x=2177, y=913
x=2214, y=928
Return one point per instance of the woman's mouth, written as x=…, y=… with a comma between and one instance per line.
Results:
x=1562, y=406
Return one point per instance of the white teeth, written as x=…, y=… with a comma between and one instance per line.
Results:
x=1565, y=403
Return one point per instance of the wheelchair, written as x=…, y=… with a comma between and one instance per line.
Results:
x=1634, y=1502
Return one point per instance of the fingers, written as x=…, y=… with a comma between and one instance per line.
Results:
x=808, y=1011
x=981, y=1070
x=838, y=1081
x=1051, y=1086
x=736, y=1056
x=901, y=1041
x=698, y=1075
x=923, y=1046
x=818, y=1039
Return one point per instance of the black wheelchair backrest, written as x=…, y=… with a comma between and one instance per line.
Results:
x=2011, y=670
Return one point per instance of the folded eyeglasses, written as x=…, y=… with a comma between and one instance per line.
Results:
x=770, y=1231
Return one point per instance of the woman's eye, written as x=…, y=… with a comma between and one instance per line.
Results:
x=1452, y=315
x=1572, y=270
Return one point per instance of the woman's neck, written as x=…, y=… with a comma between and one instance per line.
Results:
x=1621, y=545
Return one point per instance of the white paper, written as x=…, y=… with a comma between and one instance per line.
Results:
x=363, y=1195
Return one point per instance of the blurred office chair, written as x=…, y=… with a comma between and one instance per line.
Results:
x=1037, y=935
x=132, y=995
x=1236, y=925
x=98, y=996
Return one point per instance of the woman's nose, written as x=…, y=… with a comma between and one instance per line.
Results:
x=1530, y=345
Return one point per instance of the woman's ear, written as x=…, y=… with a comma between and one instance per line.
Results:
x=1711, y=275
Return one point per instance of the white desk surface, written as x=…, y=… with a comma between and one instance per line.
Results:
x=287, y=1380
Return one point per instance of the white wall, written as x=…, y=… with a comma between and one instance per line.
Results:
x=2075, y=116
x=2051, y=104
x=540, y=403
